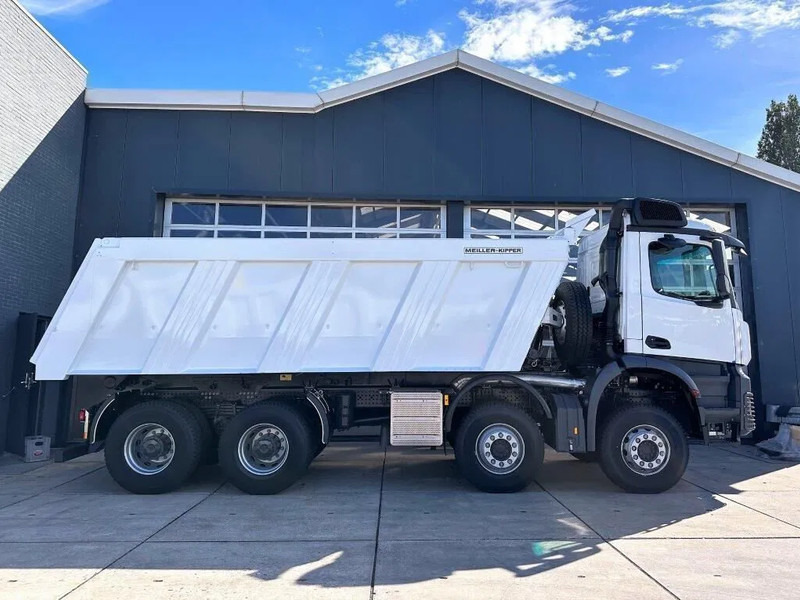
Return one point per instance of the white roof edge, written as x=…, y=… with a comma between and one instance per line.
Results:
x=312, y=103
x=50, y=35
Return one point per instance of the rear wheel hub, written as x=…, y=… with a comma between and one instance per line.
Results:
x=499, y=448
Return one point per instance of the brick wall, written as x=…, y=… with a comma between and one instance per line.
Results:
x=41, y=141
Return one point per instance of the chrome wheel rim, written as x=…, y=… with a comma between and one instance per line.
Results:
x=500, y=449
x=645, y=450
x=149, y=449
x=263, y=449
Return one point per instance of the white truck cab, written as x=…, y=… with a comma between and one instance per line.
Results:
x=670, y=304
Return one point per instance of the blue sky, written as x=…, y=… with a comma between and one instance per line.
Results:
x=709, y=68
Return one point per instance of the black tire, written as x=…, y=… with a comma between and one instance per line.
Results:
x=318, y=450
x=207, y=436
x=587, y=457
x=181, y=424
x=475, y=423
x=573, y=341
x=295, y=435
x=613, y=449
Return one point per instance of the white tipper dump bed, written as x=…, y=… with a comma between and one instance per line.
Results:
x=162, y=306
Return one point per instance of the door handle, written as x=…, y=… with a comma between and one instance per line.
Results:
x=657, y=343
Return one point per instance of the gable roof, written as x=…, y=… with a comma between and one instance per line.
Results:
x=455, y=59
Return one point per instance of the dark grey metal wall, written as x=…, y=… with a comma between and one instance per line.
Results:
x=37, y=221
x=452, y=136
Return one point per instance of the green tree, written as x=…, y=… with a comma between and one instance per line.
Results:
x=780, y=138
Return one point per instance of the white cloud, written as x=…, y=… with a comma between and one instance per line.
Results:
x=391, y=51
x=518, y=31
x=726, y=38
x=668, y=68
x=756, y=17
x=514, y=32
x=396, y=50
x=617, y=71
x=546, y=75
x=302, y=49
x=61, y=7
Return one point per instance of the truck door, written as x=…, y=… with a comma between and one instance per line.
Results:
x=682, y=315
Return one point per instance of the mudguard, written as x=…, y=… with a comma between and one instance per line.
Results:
x=612, y=370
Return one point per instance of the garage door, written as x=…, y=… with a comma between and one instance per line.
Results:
x=302, y=219
x=497, y=221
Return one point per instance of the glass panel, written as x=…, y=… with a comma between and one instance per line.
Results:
x=376, y=216
x=420, y=235
x=329, y=234
x=228, y=233
x=717, y=221
x=685, y=272
x=388, y=235
x=193, y=213
x=489, y=236
x=286, y=215
x=191, y=233
x=331, y=216
x=490, y=218
x=566, y=215
x=239, y=214
x=534, y=219
x=421, y=218
x=285, y=234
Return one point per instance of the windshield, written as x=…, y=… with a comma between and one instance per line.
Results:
x=686, y=272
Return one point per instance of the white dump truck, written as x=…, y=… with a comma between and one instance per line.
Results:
x=256, y=352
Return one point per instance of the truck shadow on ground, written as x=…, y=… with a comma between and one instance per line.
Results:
x=356, y=521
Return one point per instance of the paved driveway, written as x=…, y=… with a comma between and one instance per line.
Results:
x=402, y=524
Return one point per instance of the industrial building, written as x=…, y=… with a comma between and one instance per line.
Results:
x=452, y=146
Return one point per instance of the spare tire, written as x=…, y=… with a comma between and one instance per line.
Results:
x=573, y=340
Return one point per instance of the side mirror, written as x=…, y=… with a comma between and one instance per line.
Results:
x=721, y=266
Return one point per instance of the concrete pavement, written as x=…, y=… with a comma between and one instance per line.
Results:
x=402, y=524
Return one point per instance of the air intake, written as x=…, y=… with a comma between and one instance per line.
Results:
x=649, y=212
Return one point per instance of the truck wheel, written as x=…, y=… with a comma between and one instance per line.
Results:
x=207, y=436
x=573, y=340
x=643, y=449
x=153, y=447
x=266, y=448
x=498, y=448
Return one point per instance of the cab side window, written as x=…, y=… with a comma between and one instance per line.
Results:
x=686, y=272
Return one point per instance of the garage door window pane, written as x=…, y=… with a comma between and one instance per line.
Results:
x=240, y=214
x=190, y=213
x=285, y=234
x=369, y=235
x=286, y=215
x=331, y=216
x=330, y=234
x=490, y=218
x=229, y=233
x=419, y=235
x=191, y=233
x=534, y=221
x=420, y=218
x=376, y=216
x=717, y=221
